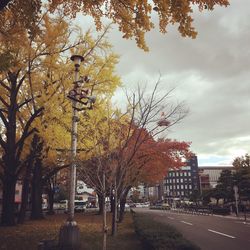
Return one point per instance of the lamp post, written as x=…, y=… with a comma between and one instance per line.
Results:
x=69, y=237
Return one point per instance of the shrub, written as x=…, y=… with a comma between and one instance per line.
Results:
x=221, y=210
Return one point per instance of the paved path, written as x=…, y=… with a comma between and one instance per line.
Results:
x=208, y=232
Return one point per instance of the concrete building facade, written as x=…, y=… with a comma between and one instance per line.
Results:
x=209, y=175
x=181, y=183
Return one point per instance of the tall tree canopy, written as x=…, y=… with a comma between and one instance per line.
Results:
x=133, y=17
x=35, y=78
x=242, y=176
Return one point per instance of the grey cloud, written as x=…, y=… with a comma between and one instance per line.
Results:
x=211, y=73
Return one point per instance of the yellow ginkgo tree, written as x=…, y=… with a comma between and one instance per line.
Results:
x=35, y=78
x=133, y=17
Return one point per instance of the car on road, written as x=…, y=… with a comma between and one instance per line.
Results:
x=165, y=206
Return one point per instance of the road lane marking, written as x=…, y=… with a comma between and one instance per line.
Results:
x=188, y=223
x=216, y=232
x=171, y=218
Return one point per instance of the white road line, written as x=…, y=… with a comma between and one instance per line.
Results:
x=188, y=223
x=171, y=218
x=229, y=236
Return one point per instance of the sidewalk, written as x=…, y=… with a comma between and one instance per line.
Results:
x=240, y=217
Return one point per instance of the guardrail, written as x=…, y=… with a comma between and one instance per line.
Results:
x=197, y=211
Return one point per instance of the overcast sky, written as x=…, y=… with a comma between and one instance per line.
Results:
x=211, y=74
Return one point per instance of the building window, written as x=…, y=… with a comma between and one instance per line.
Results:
x=177, y=180
x=190, y=186
x=181, y=173
x=178, y=187
x=182, y=192
x=186, y=186
x=185, y=173
x=177, y=173
x=189, y=174
x=181, y=180
x=173, y=173
x=181, y=186
x=170, y=181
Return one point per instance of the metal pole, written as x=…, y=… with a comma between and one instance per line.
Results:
x=73, y=155
x=69, y=237
x=236, y=199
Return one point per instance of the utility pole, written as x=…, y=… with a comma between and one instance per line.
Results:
x=236, y=195
x=69, y=237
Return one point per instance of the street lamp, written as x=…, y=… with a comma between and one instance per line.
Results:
x=69, y=237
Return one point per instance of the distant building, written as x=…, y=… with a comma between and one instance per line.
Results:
x=209, y=175
x=180, y=183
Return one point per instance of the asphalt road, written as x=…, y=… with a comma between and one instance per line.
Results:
x=207, y=232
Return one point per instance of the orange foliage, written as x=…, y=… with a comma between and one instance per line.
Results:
x=148, y=160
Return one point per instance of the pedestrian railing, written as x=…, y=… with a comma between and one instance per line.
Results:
x=196, y=211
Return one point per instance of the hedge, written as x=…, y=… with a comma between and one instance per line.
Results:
x=158, y=236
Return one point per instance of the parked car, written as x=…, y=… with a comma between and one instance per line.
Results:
x=63, y=204
x=165, y=206
x=80, y=206
x=132, y=205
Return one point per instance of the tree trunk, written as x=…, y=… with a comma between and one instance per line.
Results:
x=122, y=209
x=114, y=217
x=51, y=194
x=36, y=193
x=112, y=203
x=122, y=203
x=8, y=203
x=25, y=192
x=105, y=228
x=100, y=203
x=114, y=213
x=25, y=196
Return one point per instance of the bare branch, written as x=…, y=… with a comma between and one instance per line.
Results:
x=4, y=85
x=4, y=120
x=4, y=102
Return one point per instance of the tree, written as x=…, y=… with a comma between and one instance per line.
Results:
x=225, y=182
x=224, y=188
x=127, y=149
x=242, y=176
x=195, y=196
x=134, y=18
x=12, y=140
x=19, y=100
x=142, y=158
x=34, y=82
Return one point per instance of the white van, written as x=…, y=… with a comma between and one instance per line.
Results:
x=80, y=205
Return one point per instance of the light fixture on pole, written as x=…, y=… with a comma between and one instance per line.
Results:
x=69, y=237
